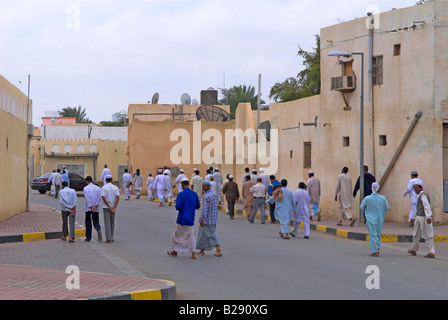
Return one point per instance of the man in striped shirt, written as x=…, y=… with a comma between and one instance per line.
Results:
x=207, y=238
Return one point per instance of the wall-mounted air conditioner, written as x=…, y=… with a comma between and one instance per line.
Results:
x=343, y=83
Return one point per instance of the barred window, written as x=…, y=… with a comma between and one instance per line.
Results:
x=377, y=70
x=306, y=155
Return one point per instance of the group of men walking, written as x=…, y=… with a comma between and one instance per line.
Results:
x=106, y=197
x=56, y=178
x=374, y=206
x=257, y=192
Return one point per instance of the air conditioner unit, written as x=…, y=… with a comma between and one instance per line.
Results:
x=343, y=83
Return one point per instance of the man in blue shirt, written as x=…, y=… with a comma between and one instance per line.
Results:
x=183, y=239
x=271, y=187
x=65, y=177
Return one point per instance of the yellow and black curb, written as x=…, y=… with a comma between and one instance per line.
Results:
x=80, y=231
x=361, y=236
x=168, y=292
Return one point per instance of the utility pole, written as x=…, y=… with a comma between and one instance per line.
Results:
x=28, y=138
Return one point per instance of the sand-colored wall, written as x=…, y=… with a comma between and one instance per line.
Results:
x=151, y=148
x=13, y=149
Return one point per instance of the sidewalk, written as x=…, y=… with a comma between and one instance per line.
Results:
x=392, y=232
x=36, y=270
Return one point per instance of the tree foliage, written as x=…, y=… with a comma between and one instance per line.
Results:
x=236, y=94
x=78, y=113
x=306, y=83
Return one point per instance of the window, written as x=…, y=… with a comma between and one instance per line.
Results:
x=377, y=70
x=397, y=49
x=383, y=140
x=306, y=155
x=346, y=141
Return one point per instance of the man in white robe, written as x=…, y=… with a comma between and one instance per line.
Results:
x=178, y=181
x=149, y=186
x=160, y=186
x=127, y=184
x=138, y=183
x=218, y=179
x=168, y=188
x=213, y=185
x=412, y=195
x=264, y=179
x=196, y=184
x=106, y=171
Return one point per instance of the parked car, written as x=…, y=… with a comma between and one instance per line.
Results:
x=42, y=185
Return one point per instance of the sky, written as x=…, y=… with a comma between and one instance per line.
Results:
x=103, y=55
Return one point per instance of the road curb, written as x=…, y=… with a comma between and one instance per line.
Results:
x=167, y=292
x=37, y=236
x=362, y=236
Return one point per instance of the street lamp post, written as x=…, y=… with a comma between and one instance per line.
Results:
x=361, y=124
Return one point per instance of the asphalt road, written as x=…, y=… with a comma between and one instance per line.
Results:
x=258, y=265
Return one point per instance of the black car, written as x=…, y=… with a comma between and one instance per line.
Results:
x=41, y=184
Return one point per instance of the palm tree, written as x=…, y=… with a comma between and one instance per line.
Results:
x=236, y=94
x=78, y=113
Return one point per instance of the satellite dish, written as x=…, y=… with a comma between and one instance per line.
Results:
x=211, y=88
x=213, y=114
x=185, y=99
x=155, y=98
x=195, y=102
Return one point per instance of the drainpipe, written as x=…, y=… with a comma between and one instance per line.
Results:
x=371, y=97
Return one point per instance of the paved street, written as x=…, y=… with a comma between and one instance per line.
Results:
x=258, y=264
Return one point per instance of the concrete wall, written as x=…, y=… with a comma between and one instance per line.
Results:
x=13, y=149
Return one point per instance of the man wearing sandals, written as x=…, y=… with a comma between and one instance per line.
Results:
x=375, y=207
x=343, y=195
x=207, y=238
x=183, y=239
x=423, y=227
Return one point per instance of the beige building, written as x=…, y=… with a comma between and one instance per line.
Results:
x=406, y=71
x=83, y=148
x=15, y=115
